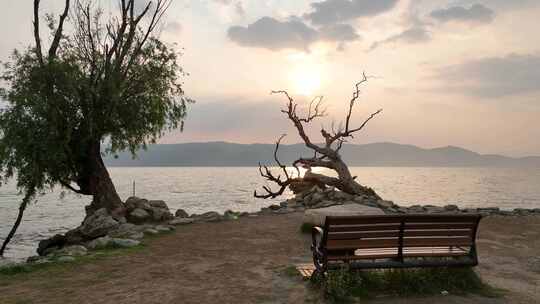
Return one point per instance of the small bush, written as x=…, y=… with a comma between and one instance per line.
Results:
x=306, y=228
x=342, y=285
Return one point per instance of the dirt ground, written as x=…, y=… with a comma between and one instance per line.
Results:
x=244, y=261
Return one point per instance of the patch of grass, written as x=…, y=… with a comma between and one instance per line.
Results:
x=343, y=285
x=306, y=228
x=21, y=271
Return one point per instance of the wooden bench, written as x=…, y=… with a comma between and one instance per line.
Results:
x=395, y=241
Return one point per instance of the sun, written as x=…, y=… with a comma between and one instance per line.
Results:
x=306, y=80
x=305, y=76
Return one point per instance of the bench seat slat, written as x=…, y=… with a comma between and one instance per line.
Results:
x=371, y=227
x=362, y=243
x=365, y=254
x=364, y=234
x=436, y=241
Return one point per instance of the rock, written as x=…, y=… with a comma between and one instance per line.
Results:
x=318, y=216
x=488, y=211
x=181, y=221
x=385, y=204
x=211, y=216
x=340, y=195
x=181, y=213
x=451, y=207
x=158, y=204
x=74, y=250
x=151, y=231
x=134, y=202
x=325, y=203
x=434, y=209
x=139, y=215
x=416, y=209
x=315, y=199
x=99, y=243
x=161, y=214
x=536, y=210
x=65, y=259
x=38, y=260
x=162, y=228
x=123, y=243
x=521, y=211
x=56, y=242
x=98, y=224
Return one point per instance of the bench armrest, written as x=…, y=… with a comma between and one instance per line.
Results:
x=316, y=236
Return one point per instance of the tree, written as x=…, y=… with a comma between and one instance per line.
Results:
x=325, y=156
x=107, y=81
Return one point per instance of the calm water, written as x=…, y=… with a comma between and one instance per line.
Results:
x=199, y=190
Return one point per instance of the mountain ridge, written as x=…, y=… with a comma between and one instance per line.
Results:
x=220, y=153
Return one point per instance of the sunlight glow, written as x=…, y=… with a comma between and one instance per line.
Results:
x=305, y=75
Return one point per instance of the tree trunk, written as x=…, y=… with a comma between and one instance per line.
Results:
x=96, y=182
x=11, y=233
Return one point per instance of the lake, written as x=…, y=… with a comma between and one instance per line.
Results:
x=201, y=189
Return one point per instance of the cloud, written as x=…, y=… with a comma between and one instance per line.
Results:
x=494, y=76
x=413, y=35
x=273, y=34
x=475, y=14
x=338, y=11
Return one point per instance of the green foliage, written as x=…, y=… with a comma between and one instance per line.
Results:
x=306, y=228
x=342, y=285
x=60, y=107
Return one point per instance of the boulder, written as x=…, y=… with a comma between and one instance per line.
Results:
x=161, y=214
x=325, y=203
x=181, y=213
x=98, y=224
x=274, y=207
x=451, y=207
x=211, y=216
x=434, y=209
x=163, y=228
x=318, y=216
x=57, y=241
x=385, y=204
x=139, y=215
x=134, y=202
x=158, y=204
x=123, y=243
x=99, y=243
x=74, y=250
x=151, y=231
x=181, y=221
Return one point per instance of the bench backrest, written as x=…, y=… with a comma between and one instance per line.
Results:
x=398, y=231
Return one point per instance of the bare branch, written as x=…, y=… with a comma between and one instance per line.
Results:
x=36, y=32
x=59, y=32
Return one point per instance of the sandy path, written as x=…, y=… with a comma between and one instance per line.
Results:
x=242, y=262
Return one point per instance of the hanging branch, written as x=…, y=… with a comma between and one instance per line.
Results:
x=22, y=207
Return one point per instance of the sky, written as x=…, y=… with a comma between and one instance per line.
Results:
x=461, y=73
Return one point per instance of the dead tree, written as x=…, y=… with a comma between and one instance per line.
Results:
x=326, y=155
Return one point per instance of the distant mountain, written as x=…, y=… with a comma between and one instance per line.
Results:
x=375, y=154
